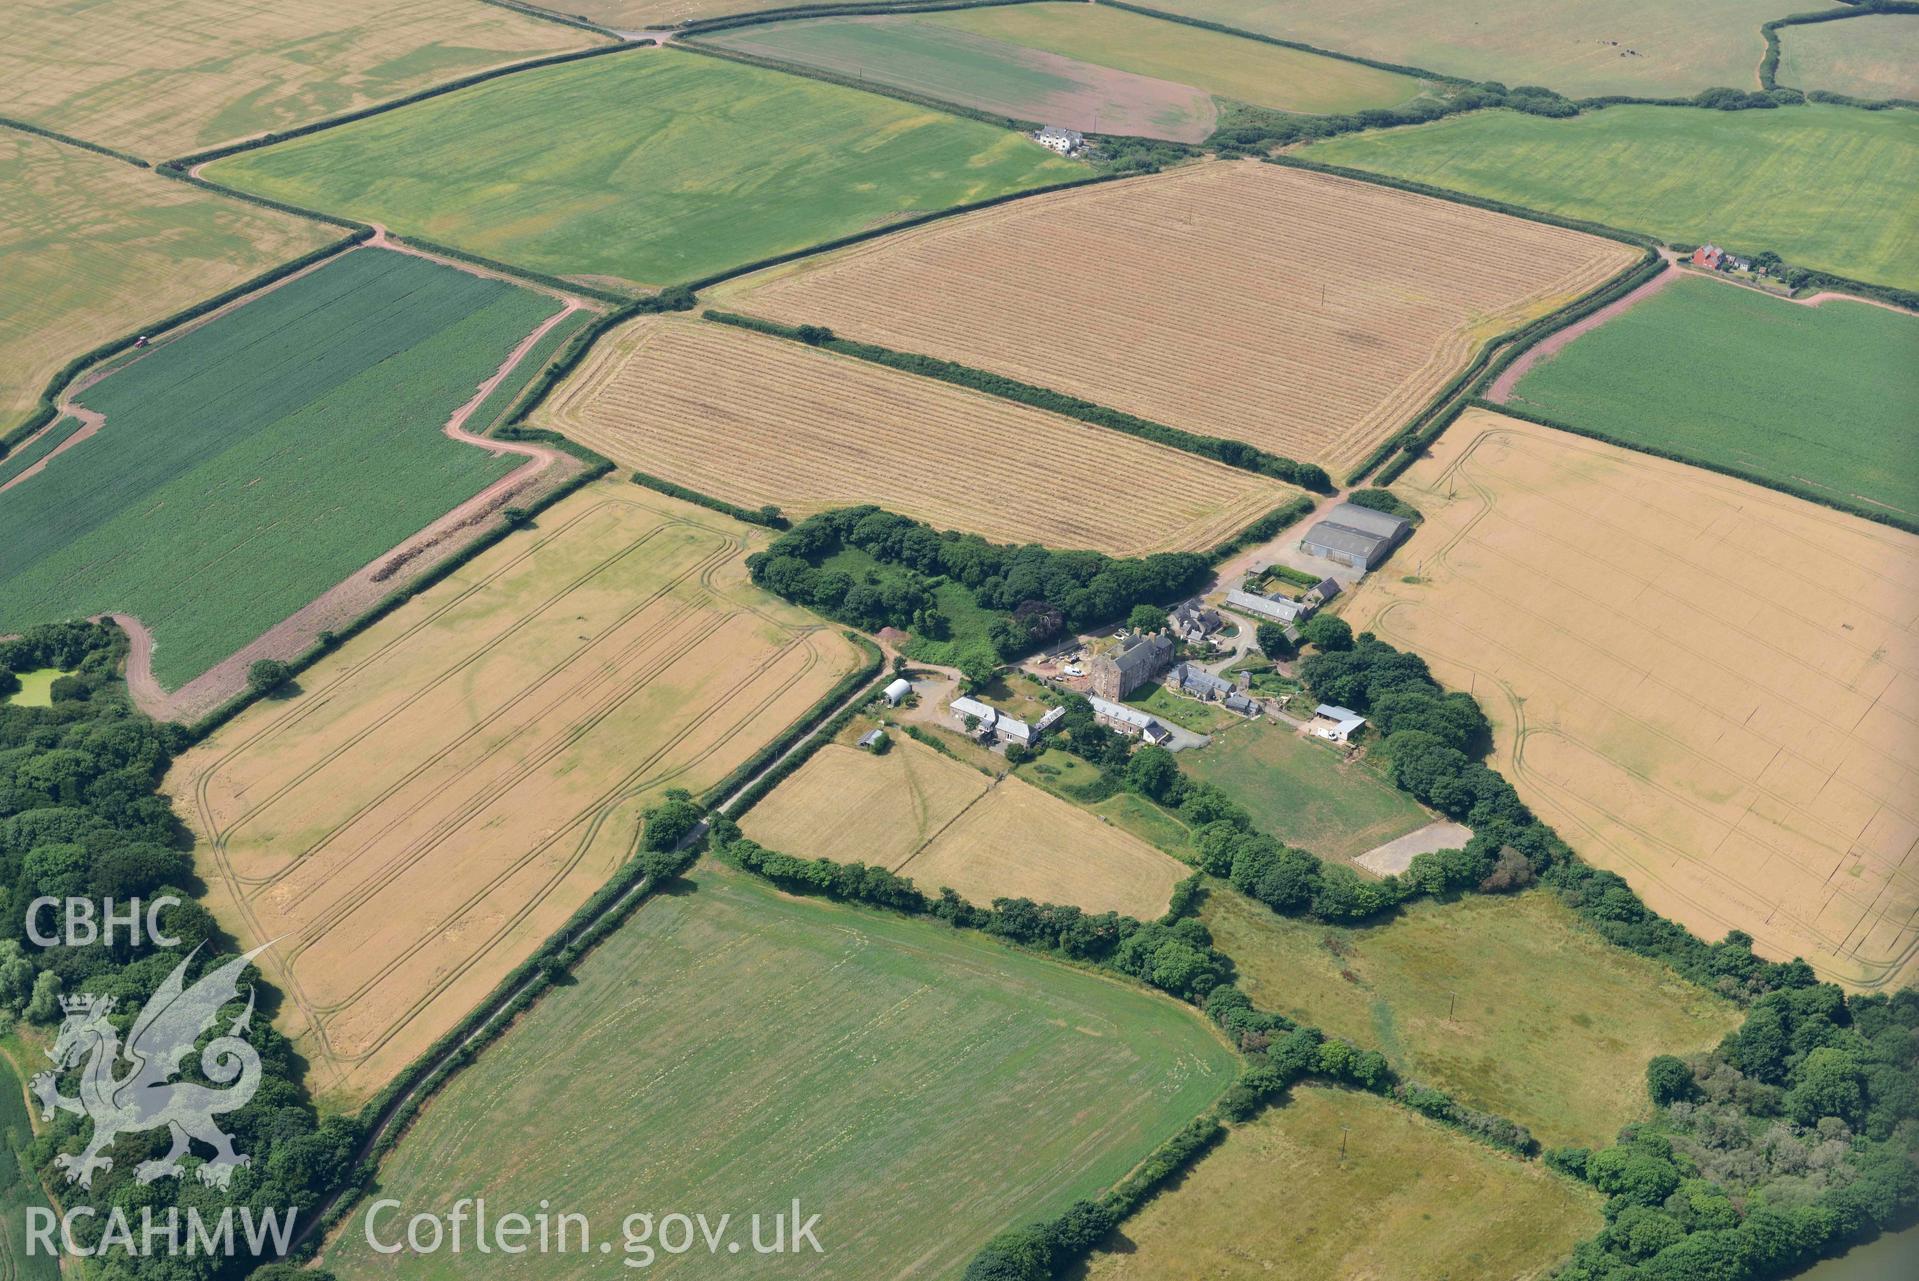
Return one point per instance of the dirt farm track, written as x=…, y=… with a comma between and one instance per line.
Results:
x=1708, y=687
x=535, y=703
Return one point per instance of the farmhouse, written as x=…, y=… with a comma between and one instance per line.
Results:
x=983, y=715
x=1274, y=607
x=1208, y=688
x=1193, y=622
x=898, y=690
x=1064, y=141
x=1128, y=720
x=1137, y=658
x=1708, y=256
x=1336, y=724
x=1354, y=535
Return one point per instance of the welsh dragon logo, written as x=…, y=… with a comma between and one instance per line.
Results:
x=146, y=1097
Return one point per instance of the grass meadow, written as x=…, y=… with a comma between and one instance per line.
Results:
x=1305, y=793
x=1871, y=56
x=1408, y=1198
x=1737, y=378
x=1822, y=186
x=732, y=1048
x=1508, y=1003
x=253, y=462
x=164, y=77
x=1085, y=66
x=1647, y=48
x=95, y=249
x=648, y=167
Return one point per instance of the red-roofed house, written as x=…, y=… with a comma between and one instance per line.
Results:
x=1709, y=257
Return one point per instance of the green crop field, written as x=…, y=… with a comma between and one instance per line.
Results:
x=95, y=249
x=1871, y=56
x=257, y=460
x=648, y=167
x=31, y=451
x=1408, y=1198
x=731, y=1049
x=19, y=1185
x=1305, y=793
x=1734, y=377
x=1083, y=66
x=1508, y=1003
x=1647, y=48
x=1822, y=186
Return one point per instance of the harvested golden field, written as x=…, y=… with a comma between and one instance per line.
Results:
x=636, y=15
x=942, y=823
x=1708, y=687
x=758, y=420
x=95, y=248
x=1302, y=313
x=450, y=785
x=162, y=78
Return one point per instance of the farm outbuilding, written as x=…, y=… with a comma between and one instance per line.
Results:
x=1338, y=724
x=1274, y=607
x=898, y=690
x=1356, y=536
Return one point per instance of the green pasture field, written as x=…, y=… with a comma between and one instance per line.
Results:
x=1004, y=59
x=734, y=1048
x=1408, y=1198
x=651, y=167
x=1305, y=793
x=255, y=461
x=1582, y=48
x=1069, y=777
x=1227, y=66
x=19, y=1185
x=1822, y=186
x=95, y=249
x=1871, y=56
x=1738, y=378
x=1508, y=1003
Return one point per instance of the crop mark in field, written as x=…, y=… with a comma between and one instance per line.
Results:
x=509, y=742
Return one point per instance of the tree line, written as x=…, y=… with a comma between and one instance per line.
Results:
x=80, y=816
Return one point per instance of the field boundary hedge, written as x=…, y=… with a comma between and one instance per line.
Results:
x=1203, y=24
x=687, y=495
x=809, y=742
x=1231, y=453
x=1265, y=528
x=550, y=15
x=49, y=404
x=1497, y=355
x=877, y=88
x=197, y=158
x=829, y=9
x=904, y=224
x=25, y=126
x=1894, y=519
x=870, y=672
x=1769, y=65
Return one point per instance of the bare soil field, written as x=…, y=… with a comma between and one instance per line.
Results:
x=1303, y=313
x=758, y=420
x=1708, y=687
x=943, y=823
x=445, y=789
x=162, y=78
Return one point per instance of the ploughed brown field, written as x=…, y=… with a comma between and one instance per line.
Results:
x=450, y=785
x=942, y=823
x=1303, y=313
x=1707, y=687
x=758, y=420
